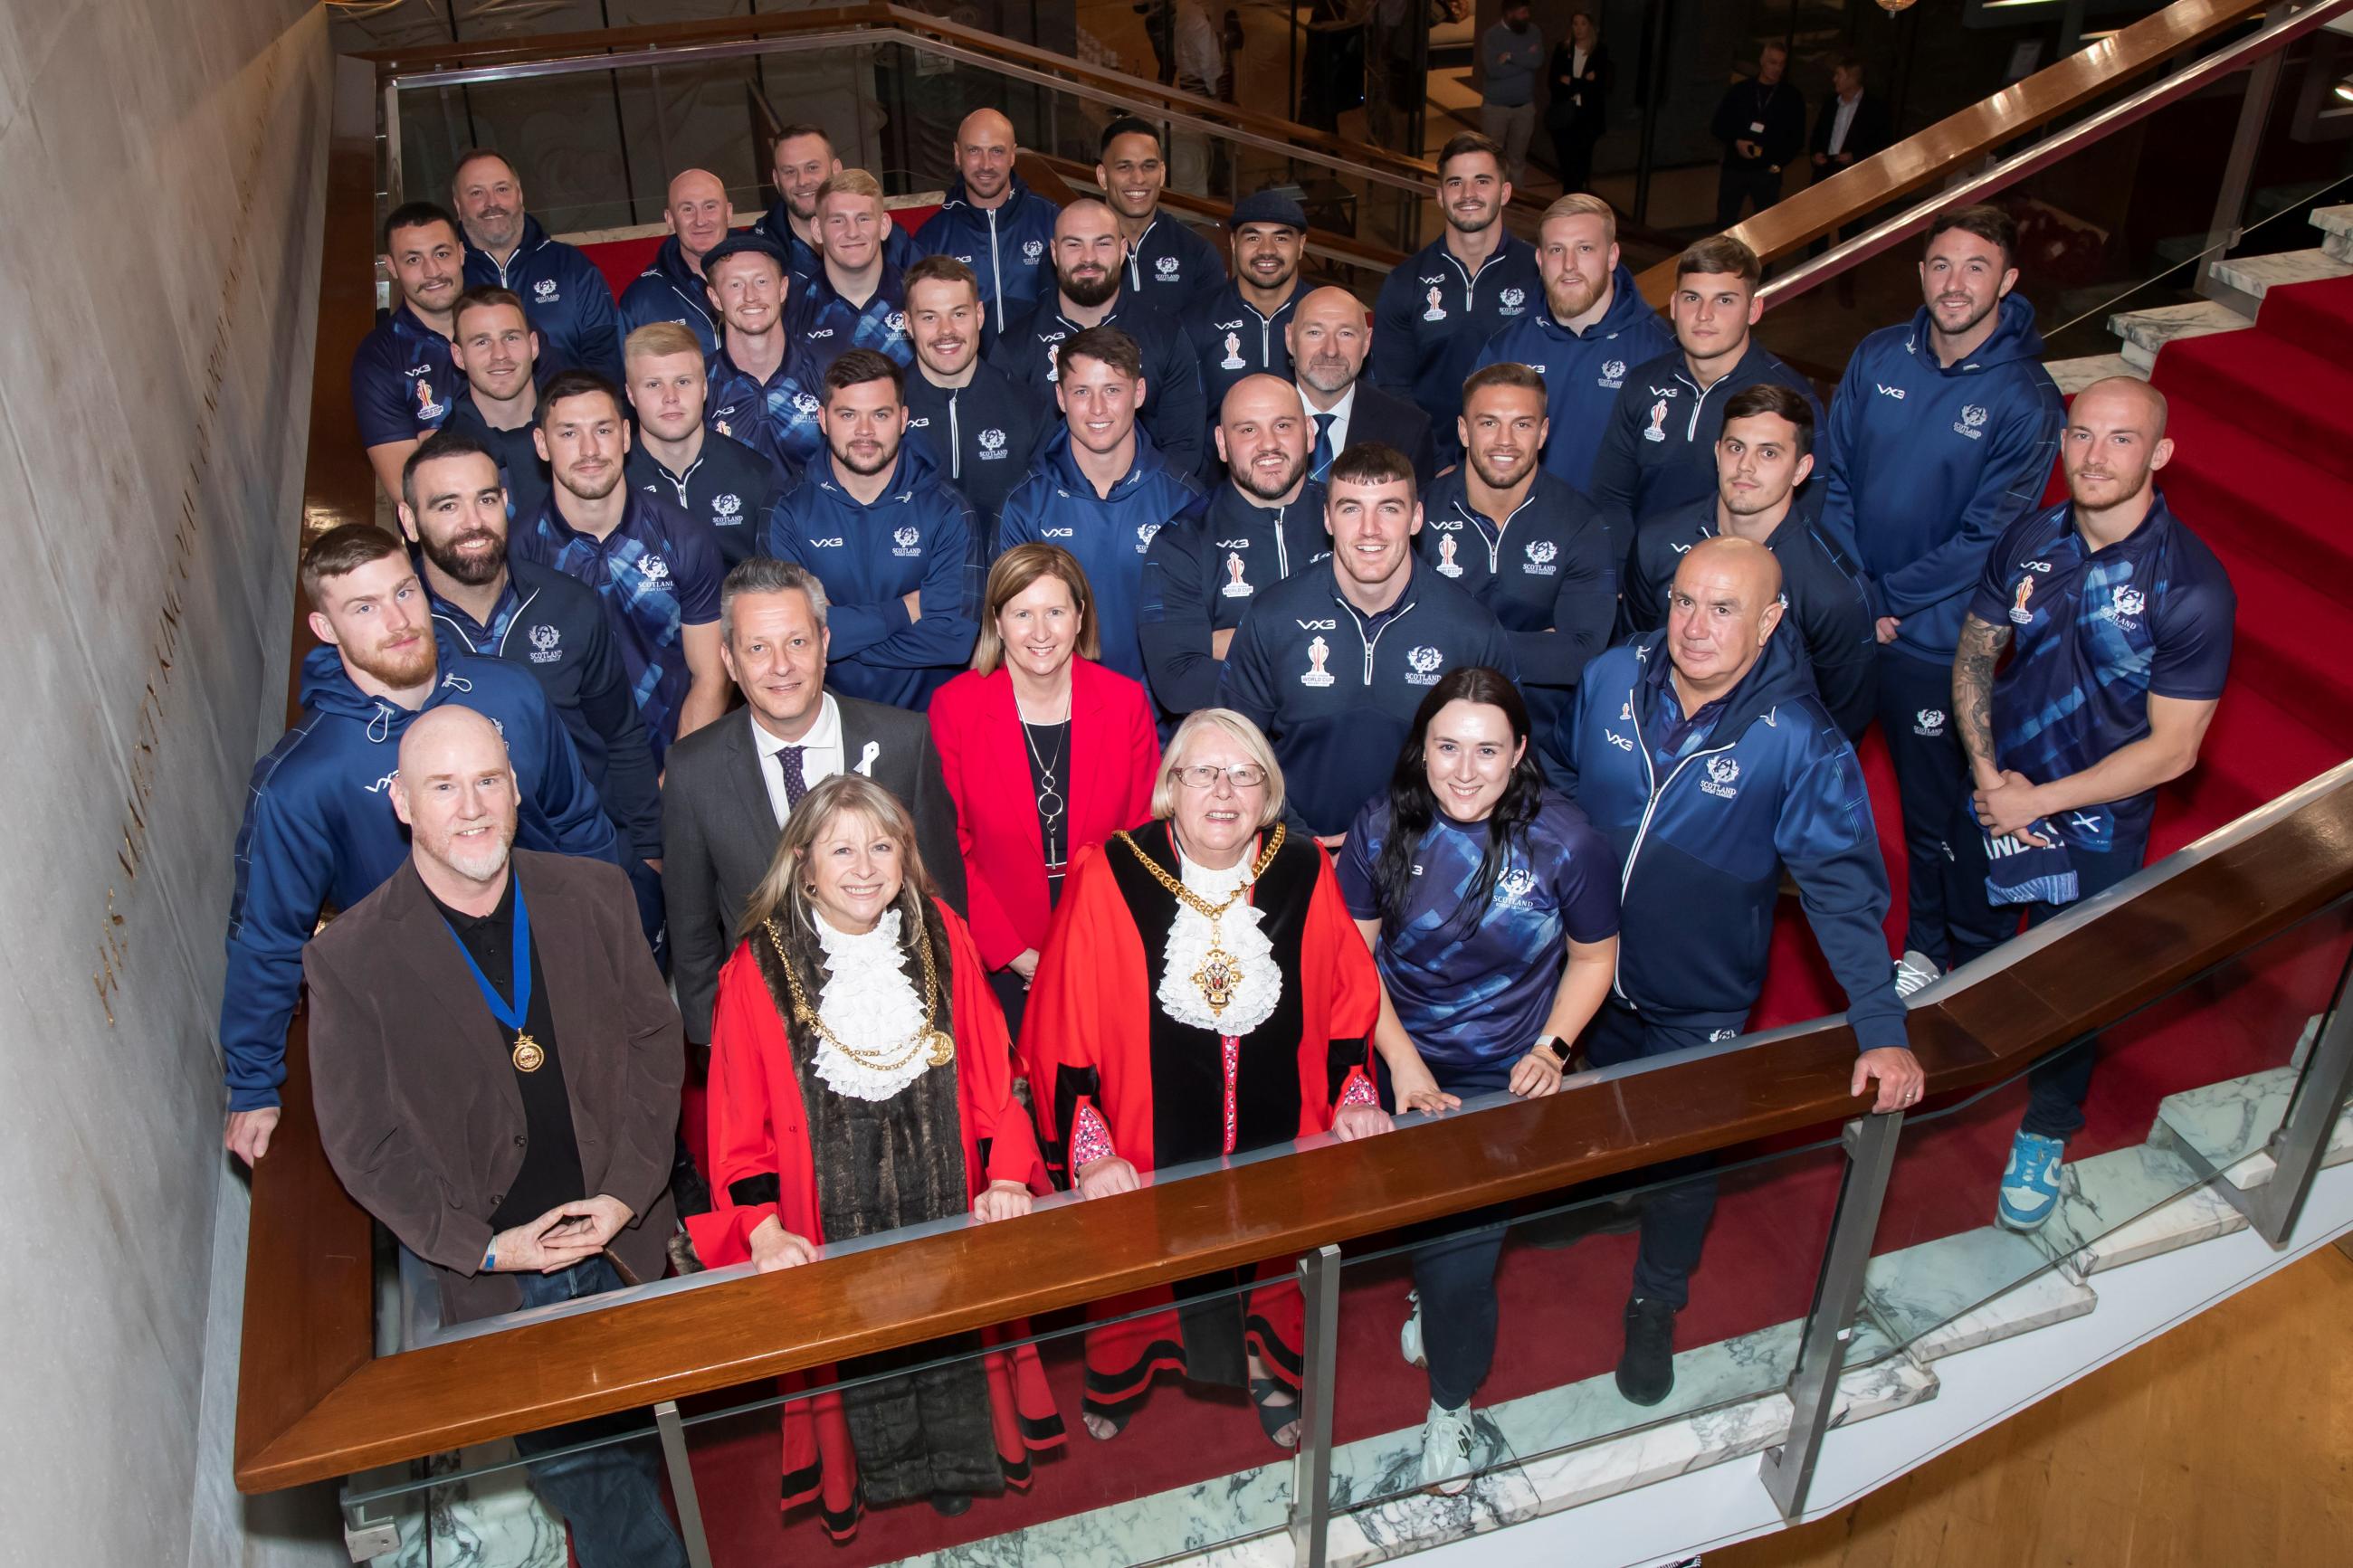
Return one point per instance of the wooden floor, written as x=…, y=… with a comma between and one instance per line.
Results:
x=2227, y=1443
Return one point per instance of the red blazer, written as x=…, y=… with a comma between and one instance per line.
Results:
x=1108, y=778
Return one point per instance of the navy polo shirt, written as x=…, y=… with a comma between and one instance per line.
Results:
x=728, y=485
x=658, y=572
x=2098, y=633
x=1473, y=981
x=403, y=381
x=825, y=325
x=776, y=417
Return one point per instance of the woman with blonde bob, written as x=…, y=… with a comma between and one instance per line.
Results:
x=1203, y=992
x=1045, y=752
x=860, y=1082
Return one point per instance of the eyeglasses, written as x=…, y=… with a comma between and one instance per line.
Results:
x=1249, y=776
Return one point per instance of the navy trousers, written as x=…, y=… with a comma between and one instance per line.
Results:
x=1932, y=780
x=1674, y=1217
x=1456, y=1274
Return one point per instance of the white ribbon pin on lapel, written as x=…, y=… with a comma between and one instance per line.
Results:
x=865, y=768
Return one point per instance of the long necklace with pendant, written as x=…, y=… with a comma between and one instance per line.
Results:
x=936, y=1042
x=1219, y=973
x=527, y=1054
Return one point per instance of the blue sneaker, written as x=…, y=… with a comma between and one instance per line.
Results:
x=2030, y=1187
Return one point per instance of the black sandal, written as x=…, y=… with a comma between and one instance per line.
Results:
x=1272, y=1417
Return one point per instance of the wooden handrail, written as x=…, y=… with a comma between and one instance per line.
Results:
x=314, y=1403
x=1960, y=140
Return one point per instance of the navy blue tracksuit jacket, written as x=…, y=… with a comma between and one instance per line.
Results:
x=1921, y=467
x=1009, y=246
x=982, y=436
x=1170, y=266
x=568, y=302
x=1657, y=451
x=1583, y=370
x=1433, y=317
x=1335, y=691
x=1174, y=411
x=1704, y=815
x=1109, y=534
x=1202, y=575
x=916, y=538
x=1548, y=573
x=669, y=290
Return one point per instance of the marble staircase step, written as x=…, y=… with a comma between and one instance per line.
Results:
x=2144, y=333
x=1967, y=1290
x=2256, y=275
x=2074, y=374
x=2224, y=1127
x=2336, y=222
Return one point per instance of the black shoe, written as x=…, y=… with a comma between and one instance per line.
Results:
x=948, y=1505
x=1646, y=1372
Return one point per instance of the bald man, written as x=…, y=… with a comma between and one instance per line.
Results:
x=1090, y=291
x=2117, y=620
x=571, y=304
x=698, y=215
x=993, y=223
x=1263, y=523
x=1701, y=752
x=496, y=1064
x=1329, y=335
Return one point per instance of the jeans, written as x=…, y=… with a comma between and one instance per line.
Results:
x=2057, y=1085
x=1511, y=127
x=1675, y=1216
x=611, y=1497
x=1456, y=1275
x=1932, y=781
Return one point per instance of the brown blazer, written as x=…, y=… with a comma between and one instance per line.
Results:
x=417, y=1104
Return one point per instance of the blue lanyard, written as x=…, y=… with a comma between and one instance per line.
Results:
x=511, y=1016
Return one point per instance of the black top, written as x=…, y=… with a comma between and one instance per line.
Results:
x=551, y=1156
x=1049, y=772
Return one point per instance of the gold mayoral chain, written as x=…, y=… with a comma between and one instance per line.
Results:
x=935, y=1041
x=1221, y=974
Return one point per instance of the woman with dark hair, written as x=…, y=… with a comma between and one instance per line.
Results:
x=861, y=1081
x=1492, y=907
x=1045, y=752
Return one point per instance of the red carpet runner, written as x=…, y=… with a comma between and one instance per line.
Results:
x=2264, y=472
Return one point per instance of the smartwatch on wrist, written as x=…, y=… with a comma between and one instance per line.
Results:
x=1557, y=1048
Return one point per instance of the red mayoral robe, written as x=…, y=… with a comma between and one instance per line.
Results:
x=1096, y=1041
x=759, y=1134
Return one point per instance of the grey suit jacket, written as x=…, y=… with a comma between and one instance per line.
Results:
x=718, y=832
x=417, y=1105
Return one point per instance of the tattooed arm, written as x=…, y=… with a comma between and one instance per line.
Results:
x=1980, y=647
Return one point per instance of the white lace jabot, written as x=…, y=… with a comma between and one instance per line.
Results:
x=869, y=1002
x=1261, y=988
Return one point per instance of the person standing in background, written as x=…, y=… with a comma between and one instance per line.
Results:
x=1578, y=83
x=1761, y=121
x=1512, y=52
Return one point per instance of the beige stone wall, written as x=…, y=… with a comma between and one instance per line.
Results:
x=161, y=177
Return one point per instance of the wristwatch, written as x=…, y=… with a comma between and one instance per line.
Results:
x=1558, y=1048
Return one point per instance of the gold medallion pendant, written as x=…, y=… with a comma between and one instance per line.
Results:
x=1219, y=977
x=1221, y=974
x=942, y=1047
x=528, y=1054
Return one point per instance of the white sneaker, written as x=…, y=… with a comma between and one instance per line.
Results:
x=1409, y=1337
x=1913, y=969
x=1446, y=1451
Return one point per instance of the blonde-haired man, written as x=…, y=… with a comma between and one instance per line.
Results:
x=715, y=477
x=857, y=299
x=1593, y=328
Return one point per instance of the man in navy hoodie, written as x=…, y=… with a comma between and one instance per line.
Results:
x=571, y=304
x=888, y=540
x=1436, y=309
x=698, y=216
x=977, y=425
x=1595, y=326
x=1701, y=753
x=1087, y=292
x=1100, y=488
x=1765, y=453
x=1241, y=329
x=1201, y=574
x=1942, y=435
x=1658, y=449
x=800, y=164
x=1536, y=554
x=993, y=223
x=1337, y=714
x=319, y=826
